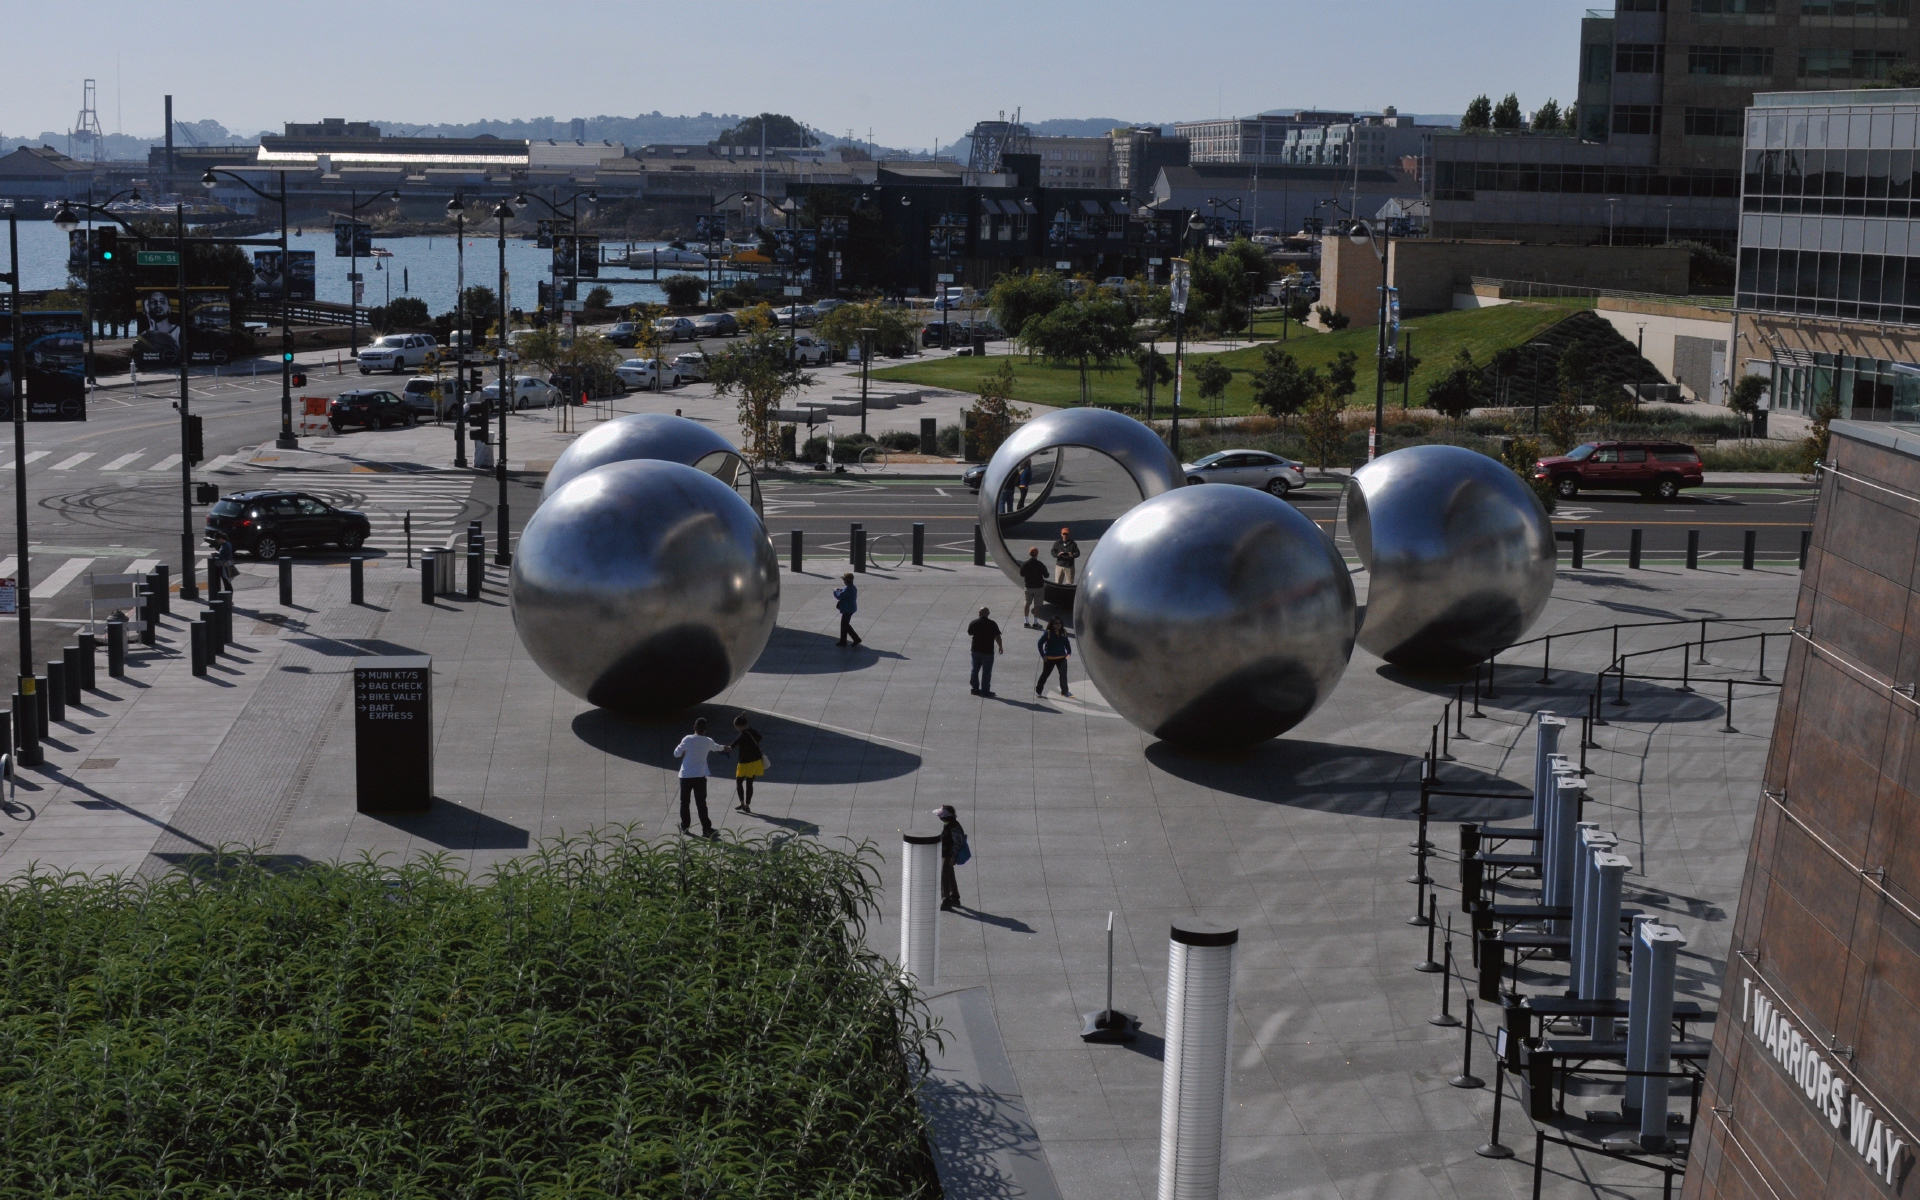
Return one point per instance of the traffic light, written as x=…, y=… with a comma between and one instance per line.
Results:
x=196, y=444
x=106, y=246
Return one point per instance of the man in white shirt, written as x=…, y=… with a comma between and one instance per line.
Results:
x=692, y=753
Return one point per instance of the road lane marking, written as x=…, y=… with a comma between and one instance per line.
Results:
x=52, y=584
x=166, y=464
x=68, y=464
x=217, y=463
x=36, y=456
x=122, y=461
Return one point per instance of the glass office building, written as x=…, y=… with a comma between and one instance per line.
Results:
x=1829, y=259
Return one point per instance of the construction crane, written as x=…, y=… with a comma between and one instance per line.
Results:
x=992, y=141
x=86, y=140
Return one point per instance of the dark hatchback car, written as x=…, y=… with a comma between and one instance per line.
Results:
x=1650, y=468
x=369, y=410
x=264, y=524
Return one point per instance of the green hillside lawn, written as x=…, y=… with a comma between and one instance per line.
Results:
x=1438, y=338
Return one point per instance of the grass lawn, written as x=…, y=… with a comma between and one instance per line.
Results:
x=1436, y=340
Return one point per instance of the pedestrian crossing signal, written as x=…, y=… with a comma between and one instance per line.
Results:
x=106, y=245
x=196, y=443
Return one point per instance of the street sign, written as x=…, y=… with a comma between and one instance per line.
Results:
x=1154, y=262
x=353, y=277
x=9, y=595
x=156, y=258
x=1063, y=266
x=790, y=290
x=944, y=278
x=573, y=306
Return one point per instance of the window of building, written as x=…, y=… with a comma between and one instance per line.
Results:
x=1640, y=5
x=1734, y=6
x=1636, y=118
x=1730, y=60
x=1854, y=8
x=1828, y=62
x=1639, y=58
x=1596, y=63
x=1714, y=122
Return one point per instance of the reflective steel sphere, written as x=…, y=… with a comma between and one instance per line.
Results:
x=645, y=586
x=1215, y=616
x=1459, y=554
x=655, y=435
x=1133, y=445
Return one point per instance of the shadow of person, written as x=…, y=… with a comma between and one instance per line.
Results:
x=1352, y=780
x=793, y=651
x=986, y=918
x=801, y=753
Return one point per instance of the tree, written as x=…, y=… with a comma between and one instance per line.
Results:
x=1506, y=114
x=1154, y=370
x=601, y=297
x=408, y=312
x=1015, y=300
x=1341, y=373
x=1813, y=447
x=683, y=291
x=1324, y=425
x=1211, y=376
x=1332, y=318
x=781, y=131
x=1521, y=454
x=1546, y=118
x=1570, y=119
x=1090, y=331
x=1479, y=114
x=1746, y=394
x=893, y=330
x=1224, y=282
x=1454, y=395
x=757, y=371
x=1563, y=424
x=1281, y=385
x=482, y=306
x=1900, y=75
x=993, y=415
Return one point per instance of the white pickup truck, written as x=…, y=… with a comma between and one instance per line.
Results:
x=397, y=352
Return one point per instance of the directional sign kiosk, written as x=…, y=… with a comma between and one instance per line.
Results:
x=393, y=733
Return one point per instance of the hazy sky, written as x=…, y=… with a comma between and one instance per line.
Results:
x=911, y=71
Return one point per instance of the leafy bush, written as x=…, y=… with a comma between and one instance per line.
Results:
x=603, y=1017
x=600, y=297
x=683, y=291
x=901, y=440
x=1755, y=456
x=1332, y=318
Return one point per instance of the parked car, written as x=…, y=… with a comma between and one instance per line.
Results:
x=625, y=334
x=398, y=352
x=596, y=383
x=426, y=395
x=693, y=367
x=369, y=410
x=640, y=373
x=1250, y=468
x=460, y=342
x=675, y=329
x=527, y=391
x=808, y=352
x=795, y=314
x=961, y=332
x=1650, y=468
x=973, y=475
x=823, y=307
x=716, y=325
x=265, y=523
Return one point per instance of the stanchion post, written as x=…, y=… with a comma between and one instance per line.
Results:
x=1476, y=692
x=1747, y=541
x=1466, y=1078
x=1693, y=549
x=476, y=571
x=1460, y=711
x=919, y=543
x=286, y=580
x=1493, y=1148
x=1763, y=658
x=1546, y=660
x=356, y=580
x=1445, y=1015
x=1728, y=727
x=1427, y=966
x=979, y=548
x=1579, y=547
x=795, y=547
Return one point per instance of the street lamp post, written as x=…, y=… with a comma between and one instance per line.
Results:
x=353, y=262
x=502, y=557
x=866, y=353
x=1181, y=282
x=286, y=440
x=26, y=727
x=66, y=222
x=1611, y=201
x=573, y=231
x=458, y=212
x=1406, y=365
x=1363, y=234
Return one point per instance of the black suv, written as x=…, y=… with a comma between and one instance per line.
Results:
x=369, y=410
x=265, y=523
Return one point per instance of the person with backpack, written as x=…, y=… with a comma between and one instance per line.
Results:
x=1054, y=649
x=750, y=762
x=847, y=600
x=954, y=852
x=1033, y=573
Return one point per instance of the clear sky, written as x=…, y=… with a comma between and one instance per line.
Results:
x=911, y=71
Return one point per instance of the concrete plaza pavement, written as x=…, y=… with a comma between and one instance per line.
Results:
x=1339, y=1083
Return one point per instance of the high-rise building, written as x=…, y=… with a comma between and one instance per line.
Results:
x=1075, y=162
x=1662, y=86
x=1138, y=154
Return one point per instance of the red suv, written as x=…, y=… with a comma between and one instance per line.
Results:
x=1650, y=468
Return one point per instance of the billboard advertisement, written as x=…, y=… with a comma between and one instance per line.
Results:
x=209, y=312
x=543, y=234
x=54, y=347
x=576, y=257
x=268, y=278
x=352, y=239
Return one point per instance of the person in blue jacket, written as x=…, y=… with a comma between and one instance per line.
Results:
x=847, y=600
x=1054, y=649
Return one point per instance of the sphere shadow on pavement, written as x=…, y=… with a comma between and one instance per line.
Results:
x=801, y=753
x=793, y=651
x=1351, y=780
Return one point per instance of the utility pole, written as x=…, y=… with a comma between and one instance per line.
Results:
x=26, y=724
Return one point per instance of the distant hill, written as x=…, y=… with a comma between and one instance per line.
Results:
x=127, y=147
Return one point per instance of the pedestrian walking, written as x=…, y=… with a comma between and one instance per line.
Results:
x=223, y=563
x=692, y=753
x=1033, y=573
x=985, y=633
x=1066, y=552
x=750, y=762
x=847, y=600
x=1026, y=480
x=1054, y=649
x=954, y=852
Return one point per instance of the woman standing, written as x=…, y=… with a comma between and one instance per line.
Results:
x=751, y=764
x=953, y=839
x=1054, y=649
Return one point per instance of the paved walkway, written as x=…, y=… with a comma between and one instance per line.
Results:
x=1338, y=1081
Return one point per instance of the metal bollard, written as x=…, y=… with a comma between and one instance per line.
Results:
x=427, y=577
x=795, y=541
x=356, y=580
x=1633, y=549
x=147, y=617
x=200, y=651
x=286, y=581
x=163, y=588
x=1693, y=549
x=1579, y=547
x=1746, y=549
x=43, y=704
x=477, y=535
x=1806, y=540
x=87, y=650
x=979, y=548
x=919, y=543
x=72, y=672
x=217, y=629
x=476, y=571
x=857, y=547
x=56, y=678
x=116, y=649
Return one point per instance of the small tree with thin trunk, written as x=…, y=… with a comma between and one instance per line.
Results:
x=1211, y=377
x=756, y=370
x=993, y=414
x=1479, y=114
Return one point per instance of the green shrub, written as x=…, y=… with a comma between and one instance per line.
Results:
x=603, y=1017
x=900, y=439
x=1754, y=456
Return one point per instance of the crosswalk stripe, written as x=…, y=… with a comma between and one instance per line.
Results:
x=122, y=461
x=219, y=462
x=52, y=584
x=7, y=565
x=30, y=459
x=166, y=464
x=142, y=565
x=68, y=464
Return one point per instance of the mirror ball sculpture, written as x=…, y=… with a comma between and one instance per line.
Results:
x=1215, y=616
x=1137, y=448
x=1459, y=555
x=654, y=435
x=645, y=586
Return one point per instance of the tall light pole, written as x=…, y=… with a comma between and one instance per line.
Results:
x=866, y=353
x=1611, y=201
x=502, y=557
x=286, y=440
x=1363, y=235
x=573, y=226
x=1180, y=281
x=458, y=212
x=355, y=204
x=26, y=725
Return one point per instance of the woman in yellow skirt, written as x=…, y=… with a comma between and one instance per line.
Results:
x=751, y=764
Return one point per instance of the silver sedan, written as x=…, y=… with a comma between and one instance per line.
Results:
x=1249, y=468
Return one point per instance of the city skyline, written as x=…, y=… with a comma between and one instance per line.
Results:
x=1427, y=56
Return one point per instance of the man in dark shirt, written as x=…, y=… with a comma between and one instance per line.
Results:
x=986, y=639
x=1066, y=552
x=1033, y=573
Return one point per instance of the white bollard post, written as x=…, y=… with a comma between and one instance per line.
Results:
x=920, y=906
x=1657, y=947
x=1557, y=847
x=1546, y=743
x=1603, y=944
x=1198, y=1056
